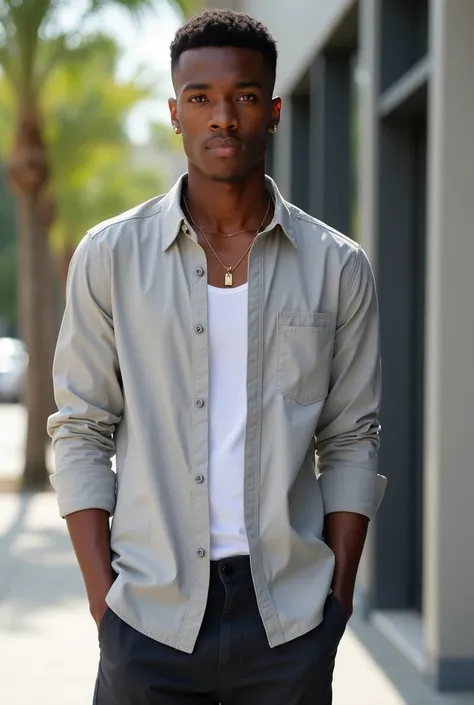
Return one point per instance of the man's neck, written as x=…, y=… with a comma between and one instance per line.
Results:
x=226, y=207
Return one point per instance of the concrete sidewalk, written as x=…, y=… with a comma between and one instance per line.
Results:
x=13, y=426
x=48, y=642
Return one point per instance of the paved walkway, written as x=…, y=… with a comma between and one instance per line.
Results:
x=48, y=642
x=13, y=419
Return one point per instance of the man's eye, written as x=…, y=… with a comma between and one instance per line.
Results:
x=198, y=99
x=248, y=98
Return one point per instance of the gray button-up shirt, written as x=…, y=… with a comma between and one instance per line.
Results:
x=131, y=378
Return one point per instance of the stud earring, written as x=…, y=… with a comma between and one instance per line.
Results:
x=176, y=130
x=274, y=128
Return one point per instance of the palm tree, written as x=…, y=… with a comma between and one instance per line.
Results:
x=28, y=61
x=93, y=171
x=93, y=174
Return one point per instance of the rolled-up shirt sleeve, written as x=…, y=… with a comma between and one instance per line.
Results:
x=87, y=386
x=347, y=437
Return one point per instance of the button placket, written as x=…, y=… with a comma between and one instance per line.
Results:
x=199, y=342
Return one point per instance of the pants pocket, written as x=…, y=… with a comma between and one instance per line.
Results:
x=95, y=697
x=337, y=615
x=103, y=622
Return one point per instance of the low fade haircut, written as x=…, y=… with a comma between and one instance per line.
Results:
x=225, y=28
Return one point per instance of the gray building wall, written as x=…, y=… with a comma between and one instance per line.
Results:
x=449, y=486
x=299, y=27
x=415, y=195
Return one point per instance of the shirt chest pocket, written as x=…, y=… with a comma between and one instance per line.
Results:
x=305, y=349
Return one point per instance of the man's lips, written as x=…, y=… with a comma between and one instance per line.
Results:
x=224, y=147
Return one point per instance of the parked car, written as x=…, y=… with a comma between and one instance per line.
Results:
x=13, y=364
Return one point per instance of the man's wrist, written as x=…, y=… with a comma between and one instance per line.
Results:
x=345, y=534
x=97, y=598
x=345, y=596
x=99, y=588
x=344, y=578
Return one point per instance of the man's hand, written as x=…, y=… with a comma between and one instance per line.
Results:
x=98, y=609
x=345, y=534
x=345, y=597
x=97, y=594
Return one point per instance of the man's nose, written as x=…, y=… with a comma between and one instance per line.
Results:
x=224, y=116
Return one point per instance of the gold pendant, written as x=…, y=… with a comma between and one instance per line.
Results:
x=228, y=279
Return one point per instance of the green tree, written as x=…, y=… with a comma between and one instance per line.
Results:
x=8, y=270
x=92, y=174
x=7, y=212
x=7, y=257
x=7, y=229
x=32, y=48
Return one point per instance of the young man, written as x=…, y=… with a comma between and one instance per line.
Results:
x=216, y=339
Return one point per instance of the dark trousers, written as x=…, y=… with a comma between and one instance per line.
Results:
x=232, y=663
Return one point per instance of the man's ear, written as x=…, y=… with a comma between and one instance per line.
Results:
x=173, y=107
x=276, y=114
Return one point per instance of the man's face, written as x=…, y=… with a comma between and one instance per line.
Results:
x=224, y=109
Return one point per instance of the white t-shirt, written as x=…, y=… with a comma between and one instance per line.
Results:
x=227, y=327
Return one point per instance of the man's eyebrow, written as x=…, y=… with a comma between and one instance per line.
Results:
x=196, y=87
x=208, y=86
x=248, y=84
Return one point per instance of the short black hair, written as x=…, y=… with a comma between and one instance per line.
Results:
x=224, y=28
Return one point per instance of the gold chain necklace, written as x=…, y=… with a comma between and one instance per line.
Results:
x=239, y=232
x=229, y=279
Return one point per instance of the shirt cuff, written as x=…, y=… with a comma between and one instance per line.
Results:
x=79, y=489
x=352, y=489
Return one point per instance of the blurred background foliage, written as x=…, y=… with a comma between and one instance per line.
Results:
x=67, y=162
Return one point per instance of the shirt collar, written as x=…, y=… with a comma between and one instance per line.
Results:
x=174, y=218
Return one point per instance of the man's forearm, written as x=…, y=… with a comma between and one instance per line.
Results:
x=345, y=534
x=90, y=535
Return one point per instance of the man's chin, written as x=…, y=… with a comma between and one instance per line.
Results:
x=229, y=178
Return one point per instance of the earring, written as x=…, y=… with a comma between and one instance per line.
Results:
x=176, y=129
x=274, y=128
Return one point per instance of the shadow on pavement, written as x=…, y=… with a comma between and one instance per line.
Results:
x=39, y=570
x=412, y=686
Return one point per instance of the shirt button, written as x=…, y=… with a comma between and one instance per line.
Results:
x=185, y=229
x=200, y=553
x=200, y=271
x=198, y=329
x=199, y=403
x=199, y=479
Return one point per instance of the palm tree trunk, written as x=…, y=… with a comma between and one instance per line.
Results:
x=35, y=308
x=29, y=177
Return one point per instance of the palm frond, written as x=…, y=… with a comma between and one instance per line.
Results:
x=187, y=7
x=21, y=22
x=136, y=7
x=58, y=52
x=7, y=64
